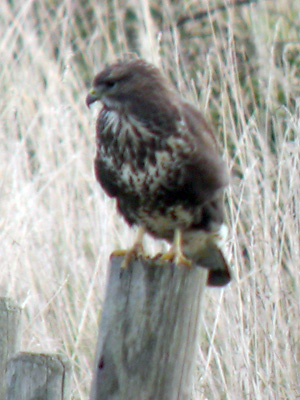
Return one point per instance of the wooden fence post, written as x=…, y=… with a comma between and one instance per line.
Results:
x=10, y=335
x=148, y=332
x=33, y=376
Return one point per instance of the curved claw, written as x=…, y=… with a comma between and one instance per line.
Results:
x=135, y=252
x=177, y=258
x=175, y=254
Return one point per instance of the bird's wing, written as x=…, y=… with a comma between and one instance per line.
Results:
x=205, y=173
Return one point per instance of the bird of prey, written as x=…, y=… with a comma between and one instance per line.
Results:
x=157, y=156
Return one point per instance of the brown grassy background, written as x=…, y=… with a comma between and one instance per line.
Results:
x=242, y=67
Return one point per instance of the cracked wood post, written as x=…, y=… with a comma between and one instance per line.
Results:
x=10, y=335
x=149, y=331
x=34, y=376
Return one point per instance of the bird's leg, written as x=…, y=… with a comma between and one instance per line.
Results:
x=137, y=250
x=175, y=254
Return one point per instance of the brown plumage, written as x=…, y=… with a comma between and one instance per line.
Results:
x=158, y=157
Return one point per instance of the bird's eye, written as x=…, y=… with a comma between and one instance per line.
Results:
x=110, y=84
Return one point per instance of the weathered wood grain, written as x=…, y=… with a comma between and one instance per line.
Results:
x=149, y=331
x=10, y=335
x=32, y=376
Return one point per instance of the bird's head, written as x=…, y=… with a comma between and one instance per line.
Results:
x=126, y=84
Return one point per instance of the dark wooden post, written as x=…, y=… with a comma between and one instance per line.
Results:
x=10, y=335
x=148, y=333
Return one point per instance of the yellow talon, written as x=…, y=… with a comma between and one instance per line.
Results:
x=135, y=252
x=119, y=253
x=175, y=253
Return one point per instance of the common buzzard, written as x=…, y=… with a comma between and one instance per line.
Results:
x=158, y=157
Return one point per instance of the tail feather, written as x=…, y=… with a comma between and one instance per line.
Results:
x=213, y=259
x=219, y=270
x=206, y=252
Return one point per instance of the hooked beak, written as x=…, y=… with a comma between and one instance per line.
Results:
x=94, y=95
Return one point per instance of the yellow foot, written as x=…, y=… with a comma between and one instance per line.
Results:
x=175, y=253
x=135, y=252
x=119, y=253
x=131, y=254
x=177, y=257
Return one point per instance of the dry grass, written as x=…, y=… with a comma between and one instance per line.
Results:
x=58, y=229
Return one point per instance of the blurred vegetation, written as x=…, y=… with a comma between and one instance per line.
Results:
x=241, y=63
x=222, y=37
